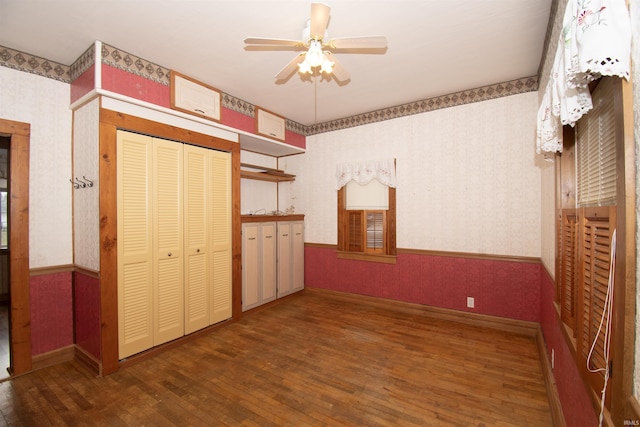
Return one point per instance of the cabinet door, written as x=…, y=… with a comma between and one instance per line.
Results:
x=195, y=98
x=168, y=240
x=250, y=266
x=135, y=250
x=220, y=235
x=297, y=255
x=284, y=259
x=196, y=248
x=268, y=262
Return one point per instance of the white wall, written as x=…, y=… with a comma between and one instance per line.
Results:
x=44, y=103
x=259, y=197
x=468, y=177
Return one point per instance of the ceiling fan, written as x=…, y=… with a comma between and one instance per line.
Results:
x=318, y=46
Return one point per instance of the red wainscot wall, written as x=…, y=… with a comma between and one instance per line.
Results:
x=51, y=307
x=86, y=308
x=509, y=289
x=576, y=404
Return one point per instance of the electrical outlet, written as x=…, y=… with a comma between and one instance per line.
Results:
x=471, y=303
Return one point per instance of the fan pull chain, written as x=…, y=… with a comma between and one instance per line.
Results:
x=315, y=99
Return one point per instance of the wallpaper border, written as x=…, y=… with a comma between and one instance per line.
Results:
x=21, y=61
x=513, y=87
x=136, y=65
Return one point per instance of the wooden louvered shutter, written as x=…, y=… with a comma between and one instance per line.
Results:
x=568, y=266
x=355, y=231
x=596, y=228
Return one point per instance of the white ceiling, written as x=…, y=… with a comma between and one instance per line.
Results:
x=435, y=47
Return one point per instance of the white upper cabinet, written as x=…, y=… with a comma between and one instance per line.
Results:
x=191, y=96
x=270, y=125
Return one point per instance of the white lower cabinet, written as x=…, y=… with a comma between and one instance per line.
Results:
x=272, y=261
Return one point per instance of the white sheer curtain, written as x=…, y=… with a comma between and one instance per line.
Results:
x=595, y=42
x=363, y=172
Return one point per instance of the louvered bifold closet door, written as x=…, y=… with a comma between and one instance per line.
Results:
x=596, y=228
x=135, y=249
x=568, y=266
x=197, y=245
x=168, y=240
x=220, y=235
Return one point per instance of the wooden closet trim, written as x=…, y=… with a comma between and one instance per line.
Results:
x=110, y=122
x=20, y=134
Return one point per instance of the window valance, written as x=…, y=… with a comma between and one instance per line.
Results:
x=595, y=42
x=363, y=172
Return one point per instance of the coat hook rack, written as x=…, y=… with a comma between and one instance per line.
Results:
x=81, y=183
x=88, y=181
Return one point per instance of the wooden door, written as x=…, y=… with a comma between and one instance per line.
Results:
x=250, y=266
x=297, y=255
x=268, y=253
x=284, y=259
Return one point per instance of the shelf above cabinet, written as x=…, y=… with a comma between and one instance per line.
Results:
x=262, y=173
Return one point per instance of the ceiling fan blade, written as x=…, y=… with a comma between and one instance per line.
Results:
x=290, y=68
x=273, y=42
x=364, y=42
x=319, y=20
x=339, y=72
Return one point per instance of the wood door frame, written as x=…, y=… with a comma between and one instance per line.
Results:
x=20, y=333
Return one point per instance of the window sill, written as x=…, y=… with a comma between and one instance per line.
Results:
x=386, y=259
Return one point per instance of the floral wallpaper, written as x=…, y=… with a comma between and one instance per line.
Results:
x=44, y=103
x=468, y=177
x=86, y=234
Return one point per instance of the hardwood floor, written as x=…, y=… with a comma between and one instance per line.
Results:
x=310, y=360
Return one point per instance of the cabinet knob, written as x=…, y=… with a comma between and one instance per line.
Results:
x=169, y=254
x=197, y=251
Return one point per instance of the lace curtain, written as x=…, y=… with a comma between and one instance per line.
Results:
x=363, y=172
x=595, y=42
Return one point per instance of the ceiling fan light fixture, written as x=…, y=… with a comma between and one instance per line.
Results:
x=314, y=55
x=304, y=67
x=327, y=65
x=315, y=37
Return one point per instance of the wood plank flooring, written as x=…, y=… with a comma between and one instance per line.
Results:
x=311, y=360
